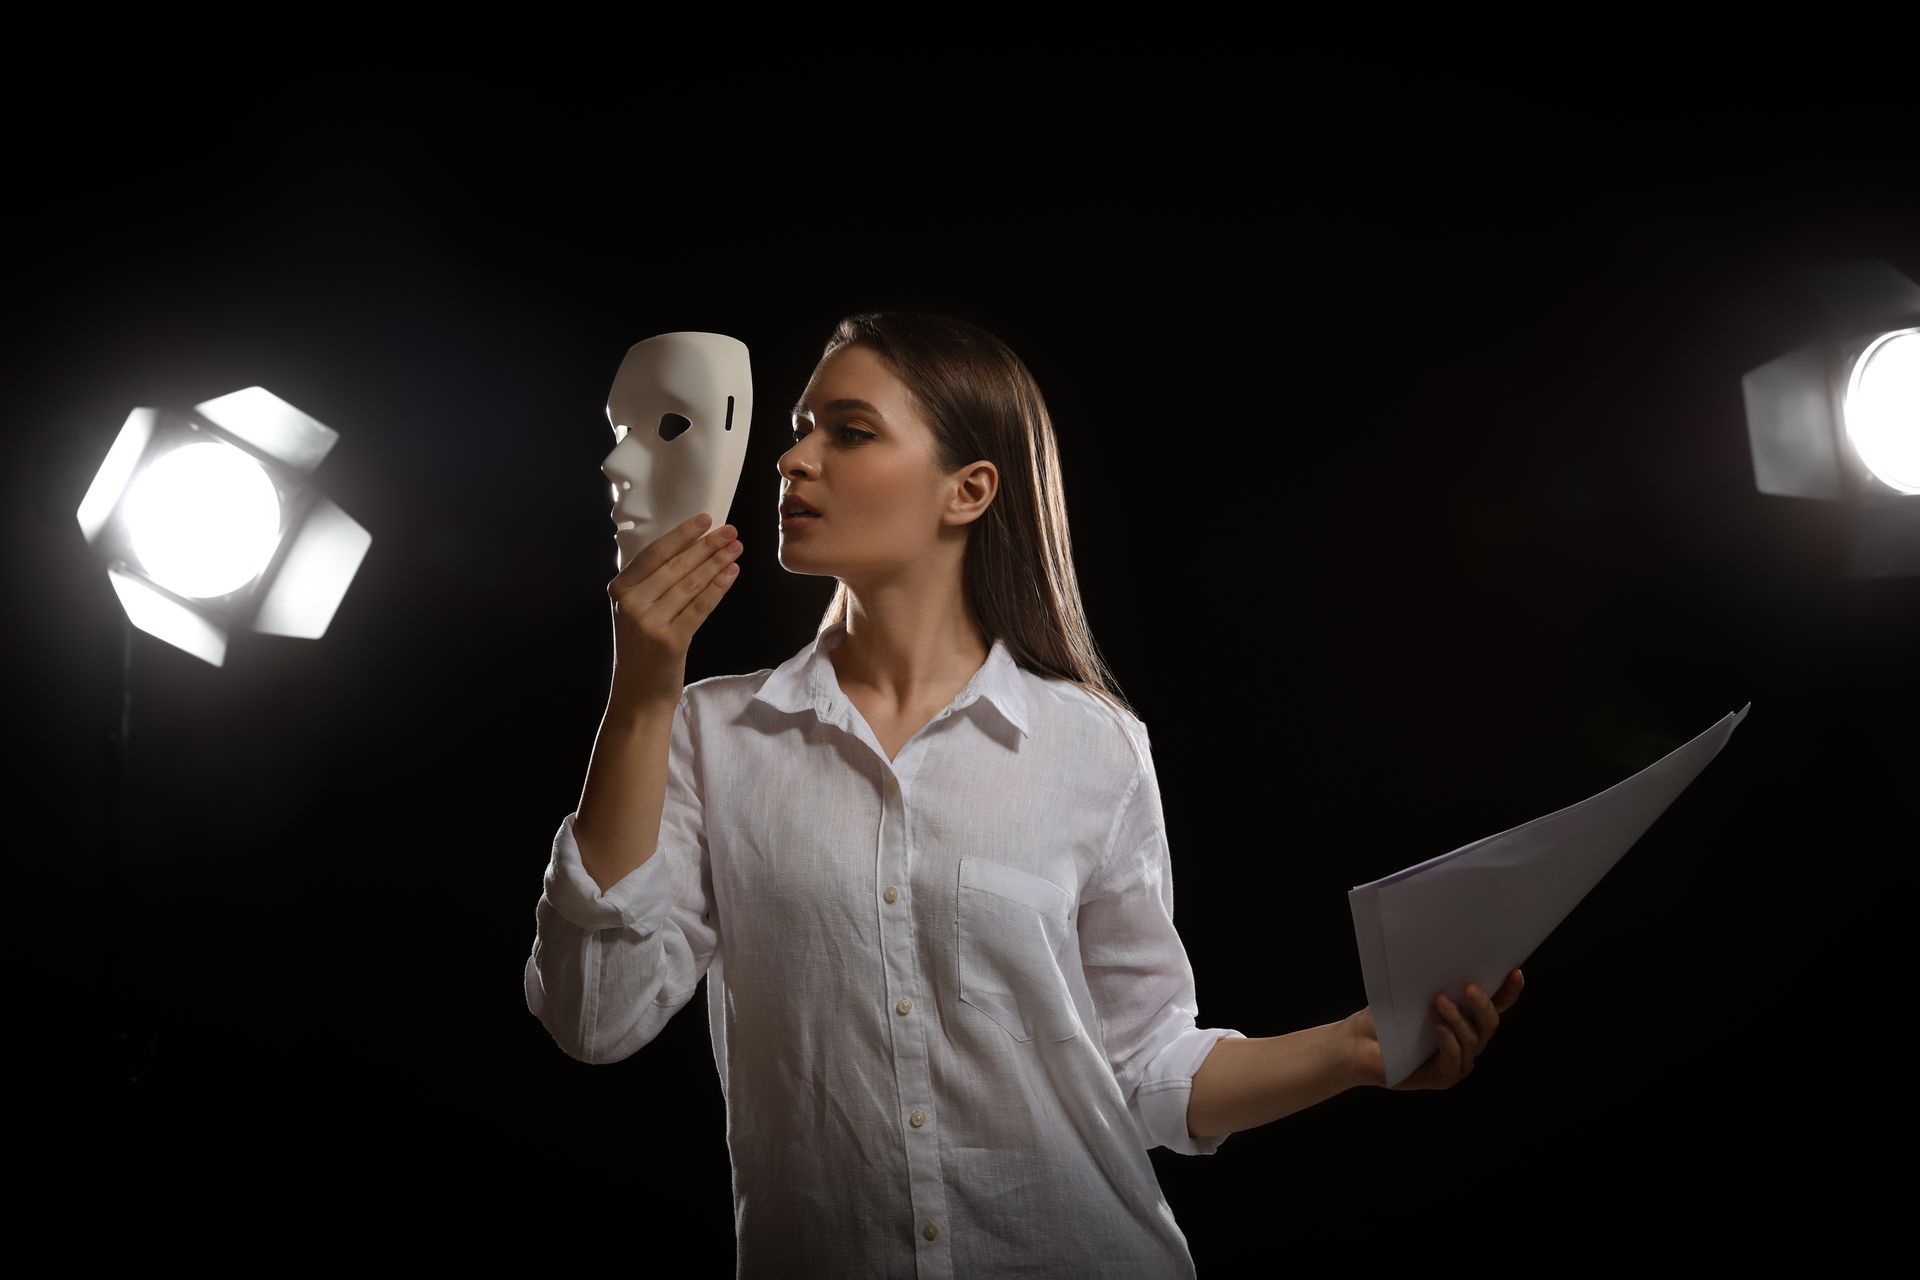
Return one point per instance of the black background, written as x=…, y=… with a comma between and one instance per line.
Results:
x=1408, y=471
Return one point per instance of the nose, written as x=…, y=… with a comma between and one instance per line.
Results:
x=791, y=463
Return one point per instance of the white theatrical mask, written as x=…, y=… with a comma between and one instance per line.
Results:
x=680, y=407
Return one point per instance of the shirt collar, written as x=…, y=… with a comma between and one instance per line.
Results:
x=807, y=681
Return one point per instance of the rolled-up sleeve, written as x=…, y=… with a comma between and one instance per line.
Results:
x=1138, y=973
x=609, y=969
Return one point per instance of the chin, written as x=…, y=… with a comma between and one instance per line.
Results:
x=801, y=565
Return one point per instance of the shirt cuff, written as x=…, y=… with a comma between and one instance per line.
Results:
x=640, y=900
x=1167, y=1088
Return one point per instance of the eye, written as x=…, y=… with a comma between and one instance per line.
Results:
x=846, y=433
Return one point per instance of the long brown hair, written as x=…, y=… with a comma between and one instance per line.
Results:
x=982, y=403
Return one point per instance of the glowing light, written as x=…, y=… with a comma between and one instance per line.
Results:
x=1882, y=412
x=203, y=520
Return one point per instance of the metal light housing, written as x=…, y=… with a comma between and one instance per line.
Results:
x=1838, y=419
x=208, y=523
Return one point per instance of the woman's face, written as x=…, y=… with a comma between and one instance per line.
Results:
x=868, y=469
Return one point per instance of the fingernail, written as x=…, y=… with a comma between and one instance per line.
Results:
x=702, y=520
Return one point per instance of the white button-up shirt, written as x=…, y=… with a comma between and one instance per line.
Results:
x=947, y=1002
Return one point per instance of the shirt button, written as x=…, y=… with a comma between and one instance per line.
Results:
x=904, y=1006
x=919, y=1118
x=929, y=1231
x=892, y=894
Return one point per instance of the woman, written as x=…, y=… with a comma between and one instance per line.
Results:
x=923, y=863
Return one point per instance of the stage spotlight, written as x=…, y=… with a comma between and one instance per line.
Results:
x=208, y=524
x=1882, y=409
x=1839, y=418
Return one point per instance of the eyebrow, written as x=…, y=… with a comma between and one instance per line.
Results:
x=835, y=406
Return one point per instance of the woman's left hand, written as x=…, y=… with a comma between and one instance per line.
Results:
x=1462, y=1036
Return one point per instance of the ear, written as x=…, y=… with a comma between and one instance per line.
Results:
x=979, y=485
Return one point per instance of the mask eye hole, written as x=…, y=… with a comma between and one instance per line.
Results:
x=672, y=424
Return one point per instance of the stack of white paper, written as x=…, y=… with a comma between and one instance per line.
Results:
x=1476, y=914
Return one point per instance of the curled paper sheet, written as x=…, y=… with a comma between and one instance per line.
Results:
x=1474, y=915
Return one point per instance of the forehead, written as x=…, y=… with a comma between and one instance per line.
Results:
x=855, y=373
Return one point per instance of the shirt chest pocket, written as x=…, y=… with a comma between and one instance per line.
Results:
x=1014, y=928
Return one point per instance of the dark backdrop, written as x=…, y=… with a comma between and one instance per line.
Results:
x=1405, y=455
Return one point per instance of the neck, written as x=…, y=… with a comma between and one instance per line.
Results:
x=909, y=659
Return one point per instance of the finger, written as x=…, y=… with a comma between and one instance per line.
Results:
x=657, y=552
x=1466, y=1039
x=678, y=541
x=1486, y=1018
x=1450, y=1054
x=1509, y=991
x=724, y=575
x=1468, y=1035
x=680, y=578
x=694, y=588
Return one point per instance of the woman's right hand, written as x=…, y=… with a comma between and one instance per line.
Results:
x=659, y=601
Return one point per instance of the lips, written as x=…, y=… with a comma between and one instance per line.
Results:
x=792, y=506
